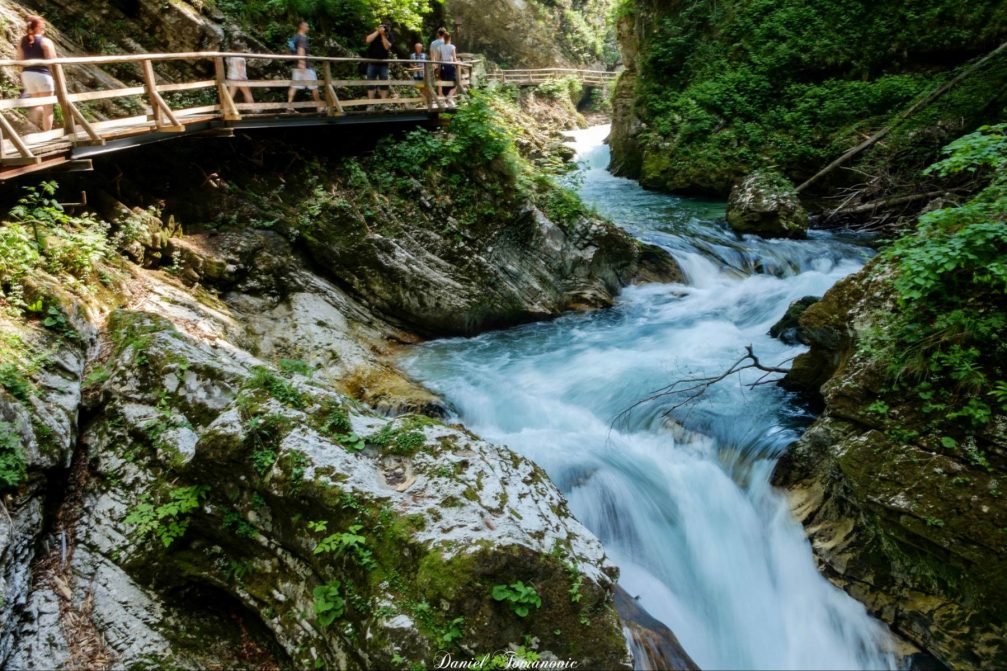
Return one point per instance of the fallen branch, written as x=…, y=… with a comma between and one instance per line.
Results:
x=890, y=202
x=694, y=388
x=912, y=109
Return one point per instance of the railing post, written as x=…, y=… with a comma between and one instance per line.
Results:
x=71, y=115
x=459, y=80
x=428, y=84
x=69, y=127
x=26, y=155
x=228, y=110
x=332, y=105
x=160, y=109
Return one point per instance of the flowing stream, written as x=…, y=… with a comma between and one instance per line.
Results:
x=684, y=507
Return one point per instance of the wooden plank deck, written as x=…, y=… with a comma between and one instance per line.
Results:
x=152, y=117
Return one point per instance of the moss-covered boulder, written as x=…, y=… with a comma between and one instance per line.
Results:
x=765, y=203
x=788, y=329
x=215, y=488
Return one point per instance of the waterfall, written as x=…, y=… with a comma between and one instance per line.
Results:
x=681, y=500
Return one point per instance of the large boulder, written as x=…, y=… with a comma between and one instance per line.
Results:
x=765, y=203
x=221, y=507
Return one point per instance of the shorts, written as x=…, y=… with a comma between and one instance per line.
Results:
x=376, y=71
x=304, y=74
x=448, y=73
x=37, y=82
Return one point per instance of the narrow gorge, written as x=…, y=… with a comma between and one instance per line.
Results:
x=563, y=377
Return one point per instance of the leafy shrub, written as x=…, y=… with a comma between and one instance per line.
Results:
x=13, y=469
x=329, y=605
x=518, y=596
x=946, y=344
x=561, y=88
x=15, y=382
x=280, y=389
x=170, y=520
x=728, y=86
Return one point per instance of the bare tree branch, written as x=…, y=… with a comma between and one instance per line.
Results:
x=692, y=388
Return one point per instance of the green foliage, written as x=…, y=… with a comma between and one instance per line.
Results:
x=351, y=441
x=452, y=632
x=263, y=433
x=478, y=135
x=15, y=382
x=168, y=521
x=945, y=344
x=295, y=367
x=38, y=234
x=329, y=604
x=333, y=419
x=518, y=596
x=234, y=521
x=13, y=469
x=728, y=86
x=344, y=20
x=280, y=389
x=345, y=542
x=568, y=88
x=407, y=443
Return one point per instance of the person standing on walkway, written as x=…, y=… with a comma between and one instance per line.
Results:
x=418, y=68
x=379, y=46
x=435, y=55
x=237, y=72
x=449, y=72
x=303, y=72
x=37, y=79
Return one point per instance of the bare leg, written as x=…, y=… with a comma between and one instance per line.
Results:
x=247, y=93
x=41, y=116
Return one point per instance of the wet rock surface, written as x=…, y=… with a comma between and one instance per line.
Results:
x=916, y=535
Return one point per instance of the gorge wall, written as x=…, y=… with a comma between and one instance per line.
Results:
x=715, y=89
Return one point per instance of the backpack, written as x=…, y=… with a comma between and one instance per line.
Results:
x=292, y=44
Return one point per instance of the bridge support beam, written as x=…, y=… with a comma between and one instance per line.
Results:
x=228, y=110
x=332, y=105
x=159, y=109
x=26, y=156
x=71, y=115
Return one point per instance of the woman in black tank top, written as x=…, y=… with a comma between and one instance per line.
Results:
x=37, y=79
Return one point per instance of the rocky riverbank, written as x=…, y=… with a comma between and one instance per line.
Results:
x=911, y=527
x=209, y=459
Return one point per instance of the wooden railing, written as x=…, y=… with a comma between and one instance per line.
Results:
x=153, y=102
x=533, y=77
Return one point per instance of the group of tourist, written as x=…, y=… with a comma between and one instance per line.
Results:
x=38, y=81
x=443, y=54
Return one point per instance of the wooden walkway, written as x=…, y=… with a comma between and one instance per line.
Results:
x=534, y=77
x=157, y=104
x=150, y=100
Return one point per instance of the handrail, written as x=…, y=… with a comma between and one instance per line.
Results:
x=193, y=55
x=581, y=70
x=25, y=152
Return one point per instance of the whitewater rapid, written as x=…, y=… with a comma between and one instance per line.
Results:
x=682, y=504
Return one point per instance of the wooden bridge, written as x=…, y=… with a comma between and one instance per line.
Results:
x=534, y=77
x=163, y=100
x=154, y=97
